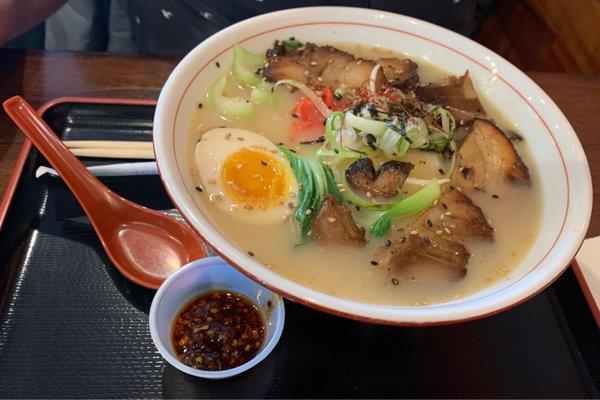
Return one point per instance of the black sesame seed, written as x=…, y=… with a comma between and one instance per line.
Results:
x=294, y=115
x=357, y=208
x=263, y=163
x=387, y=243
x=250, y=253
x=200, y=105
x=429, y=223
x=198, y=188
x=495, y=196
x=441, y=171
x=394, y=281
x=374, y=262
x=402, y=239
x=336, y=151
x=425, y=239
x=218, y=65
x=444, y=206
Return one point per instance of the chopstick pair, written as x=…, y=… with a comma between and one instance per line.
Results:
x=111, y=149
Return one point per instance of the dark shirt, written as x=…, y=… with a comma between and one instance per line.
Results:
x=173, y=27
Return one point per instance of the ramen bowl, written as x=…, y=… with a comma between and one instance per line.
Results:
x=560, y=164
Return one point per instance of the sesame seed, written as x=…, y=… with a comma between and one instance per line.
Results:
x=394, y=281
x=239, y=166
x=439, y=231
x=369, y=195
x=313, y=63
x=460, y=189
x=358, y=62
x=200, y=105
x=374, y=262
x=444, y=206
x=263, y=162
x=402, y=239
x=320, y=79
x=447, y=213
x=199, y=188
x=413, y=232
x=441, y=217
x=495, y=196
x=329, y=61
x=241, y=139
x=308, y=211
x=447, y=231
x=331, y=219
x=429, y=223
x=250, y=253
x=387, y=243
x=218, y=64
x=306, y=73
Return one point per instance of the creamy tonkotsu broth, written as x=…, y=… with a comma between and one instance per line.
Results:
x=361, y=271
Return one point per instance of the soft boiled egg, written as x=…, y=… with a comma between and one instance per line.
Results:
x=244, y=173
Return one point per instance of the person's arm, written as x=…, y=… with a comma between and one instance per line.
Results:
x=18, y=16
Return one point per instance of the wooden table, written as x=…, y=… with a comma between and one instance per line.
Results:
x=42, y=76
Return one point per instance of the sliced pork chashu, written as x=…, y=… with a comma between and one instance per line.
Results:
x=334, y=224
x=316, y=65
x=457, y=95
x=487, y=156
x=436, y=234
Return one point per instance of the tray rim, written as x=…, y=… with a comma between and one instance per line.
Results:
x=26, y=148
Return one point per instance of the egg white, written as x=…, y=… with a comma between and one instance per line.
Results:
x=211, y=152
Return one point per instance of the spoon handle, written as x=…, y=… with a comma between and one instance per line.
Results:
x=90, y=192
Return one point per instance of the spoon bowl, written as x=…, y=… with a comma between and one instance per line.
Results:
x=144, y=245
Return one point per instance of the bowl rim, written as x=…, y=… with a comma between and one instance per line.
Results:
x=163, y=290
x=319, y=300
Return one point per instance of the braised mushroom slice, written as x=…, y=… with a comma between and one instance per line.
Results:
x=458, y=95
x=400, y=72
x=334, y=224
x=316, y=65
x=487, y=156
x=383, y=182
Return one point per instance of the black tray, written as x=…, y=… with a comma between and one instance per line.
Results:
x=71, y=326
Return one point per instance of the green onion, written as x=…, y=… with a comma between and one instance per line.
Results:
x=374, y=127
x=292, y=43
x=245, y=64
x=228, y=107
x=413, y=204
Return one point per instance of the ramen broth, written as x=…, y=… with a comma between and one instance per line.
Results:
x=353, y=272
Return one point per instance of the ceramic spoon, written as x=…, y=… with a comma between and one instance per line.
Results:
x=143, y=244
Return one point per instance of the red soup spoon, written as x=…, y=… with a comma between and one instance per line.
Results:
x=144, y=245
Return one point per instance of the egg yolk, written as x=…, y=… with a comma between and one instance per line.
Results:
x=255, y=179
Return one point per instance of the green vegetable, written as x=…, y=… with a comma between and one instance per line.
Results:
x=292, y=43
x=263, y=94
x=333, y=125
x=316, y=180
x=413, y=204
x=245, y=64
x=228, y=107
x=374, y=127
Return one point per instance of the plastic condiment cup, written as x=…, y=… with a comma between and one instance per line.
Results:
x=203, y=276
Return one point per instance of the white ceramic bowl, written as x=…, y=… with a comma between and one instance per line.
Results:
x=560, y=161
x=207, y=275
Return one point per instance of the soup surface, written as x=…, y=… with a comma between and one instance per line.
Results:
x=370, y=271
